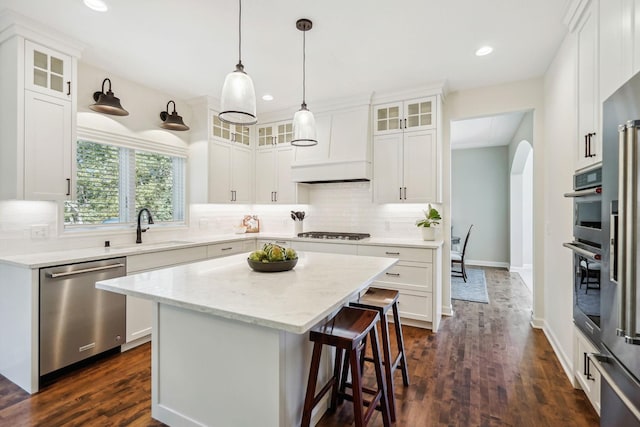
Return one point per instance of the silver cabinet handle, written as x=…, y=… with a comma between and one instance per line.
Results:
x=281, y=242
x=393, y=274
x=86, y=270
x=392, y=253
x=226, y=249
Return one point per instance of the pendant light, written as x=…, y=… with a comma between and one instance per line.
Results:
x=304, y=124
x=172, y=121
x=107, y=103
x=238, y=100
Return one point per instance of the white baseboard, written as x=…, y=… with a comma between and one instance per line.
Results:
x=481, y=263
x=520, y=269
x=447, y=310
x=566, y=362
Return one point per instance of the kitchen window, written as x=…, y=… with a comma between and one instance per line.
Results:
x=114, y=182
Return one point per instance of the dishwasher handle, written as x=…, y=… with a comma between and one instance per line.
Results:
x=86, y=270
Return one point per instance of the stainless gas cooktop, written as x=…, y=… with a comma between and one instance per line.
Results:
x=334, y=235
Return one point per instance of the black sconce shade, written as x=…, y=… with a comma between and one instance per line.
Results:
x=107, y=103
x=172, y=121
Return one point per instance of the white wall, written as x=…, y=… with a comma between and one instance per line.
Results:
x=480, y=196
x=527, y=212
x=524, y=95
x=560, y=136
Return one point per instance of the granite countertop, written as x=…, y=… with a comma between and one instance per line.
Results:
x=67, y=256
x=292, y=301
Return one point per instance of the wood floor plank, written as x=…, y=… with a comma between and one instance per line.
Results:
x=485, y=367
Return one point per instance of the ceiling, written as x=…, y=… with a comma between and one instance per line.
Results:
x=489, y=131
x=185, y=48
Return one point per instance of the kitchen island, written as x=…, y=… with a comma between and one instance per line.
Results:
x=229, y=345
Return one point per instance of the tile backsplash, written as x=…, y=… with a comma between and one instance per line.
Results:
x=345, y=207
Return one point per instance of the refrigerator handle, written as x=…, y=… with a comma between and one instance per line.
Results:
x=622, y=230
x=631, y=230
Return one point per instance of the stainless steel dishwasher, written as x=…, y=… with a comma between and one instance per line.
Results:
x=77, y=320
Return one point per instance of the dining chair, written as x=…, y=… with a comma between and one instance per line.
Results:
x=457, y=257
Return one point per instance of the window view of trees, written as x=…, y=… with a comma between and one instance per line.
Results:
x=108, y=177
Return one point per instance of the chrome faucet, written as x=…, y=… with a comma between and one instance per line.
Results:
x=140, y=230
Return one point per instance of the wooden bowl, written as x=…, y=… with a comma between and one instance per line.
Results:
x=272, y=267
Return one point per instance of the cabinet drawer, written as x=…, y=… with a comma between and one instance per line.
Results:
x=168, y=258
x=332, y=248
x=411, y=304
x=284, y=243
x=228, y=248
x=410, y=275
x=404, y=254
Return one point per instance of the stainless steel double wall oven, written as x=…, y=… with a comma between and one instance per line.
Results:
x=587, y=250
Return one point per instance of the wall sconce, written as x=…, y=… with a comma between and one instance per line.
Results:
x=172, y=121
x=107, y=103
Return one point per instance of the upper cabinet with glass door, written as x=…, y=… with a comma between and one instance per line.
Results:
x=417, y=114
x=228, y=132
x=47, y=71
x=274, y=134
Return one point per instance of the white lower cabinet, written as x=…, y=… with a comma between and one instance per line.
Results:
x=332, y=248
x=416, y=278
x=139, y=320
x=587, y=376
x=230, y=248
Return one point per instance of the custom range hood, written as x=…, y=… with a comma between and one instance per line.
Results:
x=343, y=153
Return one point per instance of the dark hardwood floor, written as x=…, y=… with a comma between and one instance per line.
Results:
x=485, y=367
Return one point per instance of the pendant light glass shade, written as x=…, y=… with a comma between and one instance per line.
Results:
x=107, y=103
x=238, y=100
x=172, y=121
x=304, y=128
x=304, y=124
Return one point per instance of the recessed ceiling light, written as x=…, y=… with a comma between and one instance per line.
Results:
x=267, y=97
x=484, y=50
x=97, y=5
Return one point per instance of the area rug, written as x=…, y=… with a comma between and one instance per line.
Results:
x=475, y=289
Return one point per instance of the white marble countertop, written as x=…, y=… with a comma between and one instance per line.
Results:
x=292, y=301
x=67, y=256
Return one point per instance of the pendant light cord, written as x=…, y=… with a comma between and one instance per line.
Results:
x=304, y=68
x=240, y=32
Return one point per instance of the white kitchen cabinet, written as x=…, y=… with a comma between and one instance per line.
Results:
x=586, y=375
x=406, y=168
x=588, y=150
x=274, y=134
x=616, y=45
x=410, y=115
x=224, y=131
x=332, y=248
x=282, y=242
x=230, y=248
x=417, y=278
x=138, y=323
x=38, y=121
x=230, y=173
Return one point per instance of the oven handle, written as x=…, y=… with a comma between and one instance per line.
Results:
x=585, y=253
x=583, y=193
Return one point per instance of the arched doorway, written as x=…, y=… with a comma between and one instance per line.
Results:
x=521, y=209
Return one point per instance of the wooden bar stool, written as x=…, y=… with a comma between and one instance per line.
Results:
x=381, y=300
x=347, y=331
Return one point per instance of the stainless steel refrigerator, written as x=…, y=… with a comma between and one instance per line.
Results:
x=619, y=359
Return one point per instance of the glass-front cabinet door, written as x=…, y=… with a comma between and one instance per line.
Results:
x=284, y=133
x=419, y=114
x=416, y=114
x=47, y=71
x=228, y=132
x=266, y=137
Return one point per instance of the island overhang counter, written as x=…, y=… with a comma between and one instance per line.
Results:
x=230, y=346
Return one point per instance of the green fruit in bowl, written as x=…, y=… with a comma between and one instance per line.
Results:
x=276, y=254
x=290, y=254
x=258, y=256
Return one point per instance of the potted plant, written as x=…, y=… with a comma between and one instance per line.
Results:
x=427, y=224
